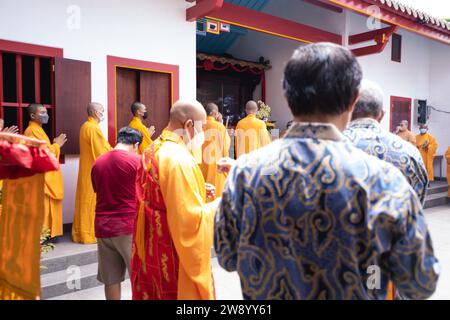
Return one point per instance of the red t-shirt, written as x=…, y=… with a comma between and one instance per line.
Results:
x=113, y=178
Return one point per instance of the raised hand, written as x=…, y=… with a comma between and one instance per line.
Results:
x=60, y=140
x=224, y=165
x=151, y=130
x=210, y=191
x=12, y=129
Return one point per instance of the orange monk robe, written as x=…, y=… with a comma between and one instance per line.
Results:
x=54, y=187
x=20, y=231
x=137, y=124
x=189, y=217
x=407, y=136
x=92, y=145
x=1, y=188
x=216, y=146
x=23, y=215
x=251, y=134
x=427, y=154
x=447, y=157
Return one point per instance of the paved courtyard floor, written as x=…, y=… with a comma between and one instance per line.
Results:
x=228, y=286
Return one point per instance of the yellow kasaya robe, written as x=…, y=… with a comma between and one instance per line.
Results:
x=427, y=155
x=20, y=229
x=137, y=124
x=216, y=146
x=447, y=157
x=189, y=219
x=92, y=145
x=251, y=134
x=408, y=136
x=54, y=186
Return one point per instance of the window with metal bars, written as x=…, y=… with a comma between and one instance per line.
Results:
x=26, y=79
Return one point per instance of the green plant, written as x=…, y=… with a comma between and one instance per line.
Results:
x=46, y=245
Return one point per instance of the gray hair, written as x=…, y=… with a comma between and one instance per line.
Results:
x=92, y=107
x=370, y=102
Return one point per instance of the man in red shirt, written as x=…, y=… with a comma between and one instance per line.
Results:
x=113, y=178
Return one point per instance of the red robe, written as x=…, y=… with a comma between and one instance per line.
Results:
x=155, y=278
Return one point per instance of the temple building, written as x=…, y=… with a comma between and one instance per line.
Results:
x=64, y=54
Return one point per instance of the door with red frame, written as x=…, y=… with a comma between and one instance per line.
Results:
x=151, y=88
x=400, y=110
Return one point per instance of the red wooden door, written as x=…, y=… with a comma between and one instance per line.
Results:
x=127, y=93
x=72, y=96
x=151, y=88
x=400, y=110
x=155, y=94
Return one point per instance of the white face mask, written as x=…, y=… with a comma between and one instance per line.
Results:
x=196, y=143
x=199, y=140
x=101, y=117
x=423, y=131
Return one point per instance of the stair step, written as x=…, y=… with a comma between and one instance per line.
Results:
x=67, y=253
x=437, y=189
x=437, y=199
x=61, y=263
x=96, y=293
x=60, y=282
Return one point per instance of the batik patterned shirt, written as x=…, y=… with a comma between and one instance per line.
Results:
x=368, y=135
x=310, y=216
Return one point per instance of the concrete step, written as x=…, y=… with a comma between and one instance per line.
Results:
x=66, y=264
x=96, y=293
x=61, y=263
x=437, y=187
x=437, y=199
x=70, y=280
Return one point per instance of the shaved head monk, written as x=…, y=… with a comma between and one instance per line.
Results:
x=54, y=187
x=251, y=133
x=427, y=145
x=404, y=133
x=92, y=145
x=140, y=114
x=216, y=146
x=174, y=229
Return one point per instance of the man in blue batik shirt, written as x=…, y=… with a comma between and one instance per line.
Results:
x=310, y=216
x=366, y=133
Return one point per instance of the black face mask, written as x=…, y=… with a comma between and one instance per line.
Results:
x=145, y=116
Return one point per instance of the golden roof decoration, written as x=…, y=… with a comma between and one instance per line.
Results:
x=233, y=61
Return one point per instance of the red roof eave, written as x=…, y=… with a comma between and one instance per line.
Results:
x=393, y=13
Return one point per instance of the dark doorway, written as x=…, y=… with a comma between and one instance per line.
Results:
x=151, y=88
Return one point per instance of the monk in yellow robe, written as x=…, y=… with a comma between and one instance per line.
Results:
x=405, y=134
x=251, y=133
x=216, y=146
x=54, y=187
x=174, y=230
x=447, y=157
x=427, y=145
x=92, y=145
x=139, y=111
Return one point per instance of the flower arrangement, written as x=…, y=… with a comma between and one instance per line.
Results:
x=263, y=112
